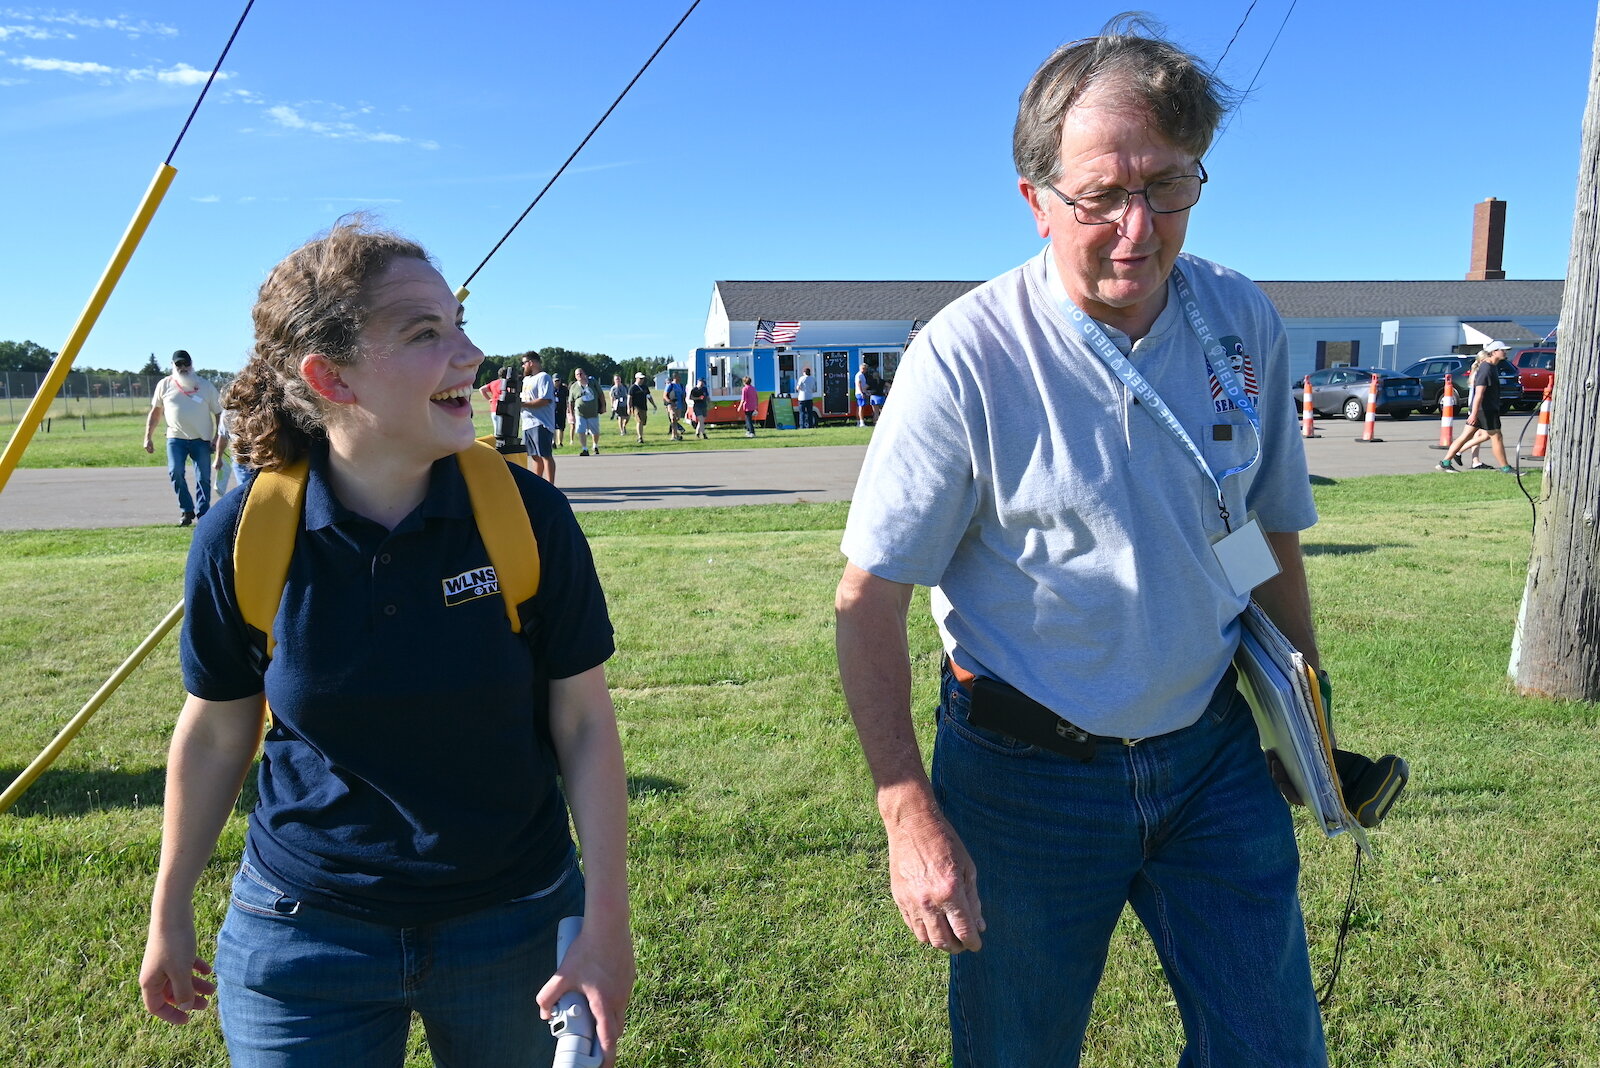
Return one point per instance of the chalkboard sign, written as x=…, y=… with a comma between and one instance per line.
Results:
x=836, y=383
x=783, y=413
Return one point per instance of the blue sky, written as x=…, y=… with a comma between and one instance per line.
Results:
x=830, y=139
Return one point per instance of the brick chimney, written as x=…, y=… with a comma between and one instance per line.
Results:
x=1488, y=240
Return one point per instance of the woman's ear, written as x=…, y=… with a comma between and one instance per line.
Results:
x=322, y=375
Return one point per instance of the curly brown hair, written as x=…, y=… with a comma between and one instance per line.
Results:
x=1183, y=97
x=312, y=302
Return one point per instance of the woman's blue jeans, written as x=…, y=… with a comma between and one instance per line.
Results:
x=303, y=987
x=1189, y=829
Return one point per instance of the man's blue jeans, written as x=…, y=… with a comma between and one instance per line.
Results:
x=198, y=450
x=301, y=987
x=1188, y=829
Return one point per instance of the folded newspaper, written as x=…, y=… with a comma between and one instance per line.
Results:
x=1287, y=701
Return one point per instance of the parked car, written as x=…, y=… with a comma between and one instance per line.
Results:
x=1534, y=368
x=1343, y=391
x=1431, y=372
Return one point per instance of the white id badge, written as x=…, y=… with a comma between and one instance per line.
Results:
x=1246, y=558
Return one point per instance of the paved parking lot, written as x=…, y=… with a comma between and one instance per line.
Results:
x=141, y=496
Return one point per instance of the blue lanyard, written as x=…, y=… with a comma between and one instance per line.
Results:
x=1217, y=364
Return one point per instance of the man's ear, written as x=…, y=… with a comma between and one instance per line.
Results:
x=322, y=375
x=1036, y=204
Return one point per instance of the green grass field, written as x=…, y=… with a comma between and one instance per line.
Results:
x=82, y=440
x=765, y=933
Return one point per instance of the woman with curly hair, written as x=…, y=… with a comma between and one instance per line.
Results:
x=409, y=851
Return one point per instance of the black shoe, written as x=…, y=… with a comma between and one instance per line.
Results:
x=186, y=519
x=1370, y=787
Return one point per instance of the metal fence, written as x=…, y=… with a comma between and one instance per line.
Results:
x=87, y=395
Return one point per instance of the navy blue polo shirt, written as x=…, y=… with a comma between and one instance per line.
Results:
x=408, y=775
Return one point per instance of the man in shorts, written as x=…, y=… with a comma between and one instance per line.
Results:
x=538, y=417
x=586, y=402
x=640, y=401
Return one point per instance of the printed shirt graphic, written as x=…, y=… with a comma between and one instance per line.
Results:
x=1244, y=369
x=470, y=585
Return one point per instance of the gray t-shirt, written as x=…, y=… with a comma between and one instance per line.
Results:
x=1067, y=534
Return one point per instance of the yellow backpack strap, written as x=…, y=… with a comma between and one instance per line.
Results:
x=503, y=525
x=264, y=543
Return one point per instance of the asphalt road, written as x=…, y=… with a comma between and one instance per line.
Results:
x=81, y=498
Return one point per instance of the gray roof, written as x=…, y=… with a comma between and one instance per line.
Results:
x=869, y=300
x=817, y=301
x=1409, y=300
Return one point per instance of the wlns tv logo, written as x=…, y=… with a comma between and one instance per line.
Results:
x=470, y=585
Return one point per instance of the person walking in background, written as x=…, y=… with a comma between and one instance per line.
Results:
x=640, y=401
x=619, y=405
x=805, y=391
x=560, y=395
x=863, y=397
x=1092, y=748
x=223, y=465
x=191, y=407
x=700, y=404
x=409, y=851
x=749, y=404
x=586, y=405
x=1483, y=417
x=673, y=397
x=538, y=417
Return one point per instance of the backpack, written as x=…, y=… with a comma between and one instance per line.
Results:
x=269, y=524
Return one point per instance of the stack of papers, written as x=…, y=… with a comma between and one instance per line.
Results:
x=1287, y=701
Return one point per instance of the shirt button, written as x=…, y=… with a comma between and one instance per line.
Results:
x=383, y=559
x=389, y=609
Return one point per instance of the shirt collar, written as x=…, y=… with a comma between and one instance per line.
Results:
x=1124, y=344
x=446, y=497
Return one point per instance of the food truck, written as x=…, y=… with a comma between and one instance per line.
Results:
x=775, y=370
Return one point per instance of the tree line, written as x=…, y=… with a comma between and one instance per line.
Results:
x=561, y=363
x=28, y=356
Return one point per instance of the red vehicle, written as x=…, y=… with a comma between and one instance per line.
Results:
x=1534, y=367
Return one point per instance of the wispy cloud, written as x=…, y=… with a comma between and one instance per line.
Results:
x=209, y=198
x=338, y=126
x=65, y=66
x=128, y=27
x=177, y=74
x=31, y=33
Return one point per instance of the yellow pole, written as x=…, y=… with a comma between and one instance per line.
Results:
x=46, y=394
x=20, y=784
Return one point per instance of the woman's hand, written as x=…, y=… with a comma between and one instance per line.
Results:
x=598, y=965
x=172, y=978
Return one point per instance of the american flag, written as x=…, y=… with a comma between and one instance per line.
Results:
x=916, y=326
x=779, y=332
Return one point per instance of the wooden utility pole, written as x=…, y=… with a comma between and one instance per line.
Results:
x=1556, y=651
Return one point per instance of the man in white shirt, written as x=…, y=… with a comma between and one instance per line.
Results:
x=805, y=392
x=191, y=408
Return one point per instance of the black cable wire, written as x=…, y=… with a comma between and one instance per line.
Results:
x=1254, y=76
x=1235, y=36
x=585, y=141
x=1271, y=46
x=207, y=87
x=1325, y=995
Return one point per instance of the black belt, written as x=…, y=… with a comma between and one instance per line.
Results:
x=1007, y=711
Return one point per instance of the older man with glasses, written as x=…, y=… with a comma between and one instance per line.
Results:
x=1091, y=539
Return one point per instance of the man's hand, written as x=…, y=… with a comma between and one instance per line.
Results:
x=149, y=446
x=601, y=968
x=172, y=978
x=935, y=883
x=1280, y=779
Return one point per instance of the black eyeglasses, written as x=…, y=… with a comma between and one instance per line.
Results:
x=1165, y=196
